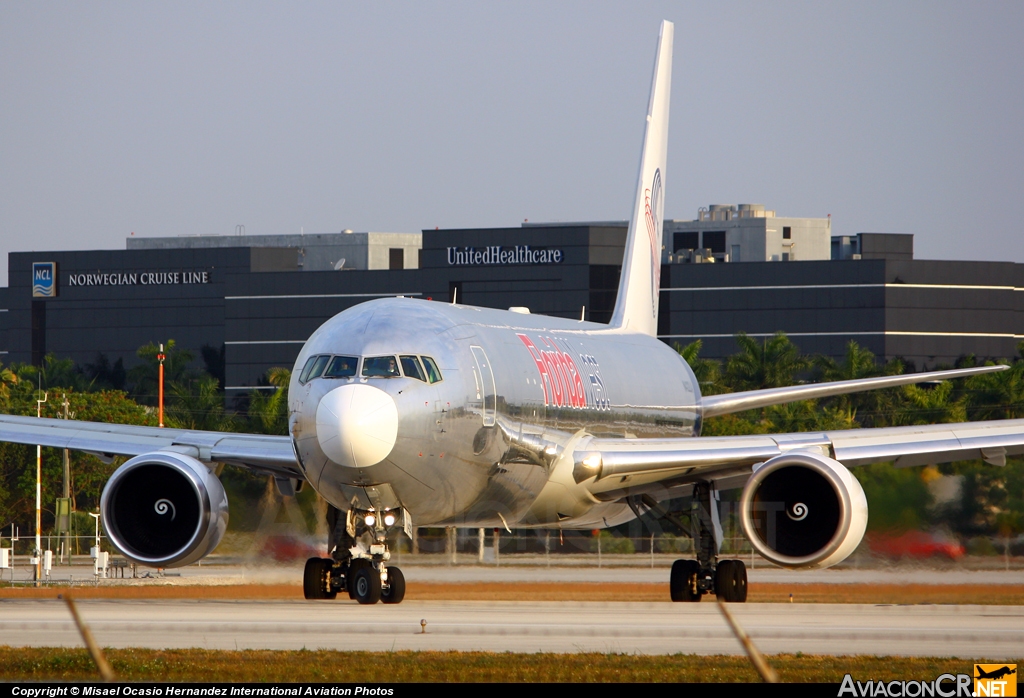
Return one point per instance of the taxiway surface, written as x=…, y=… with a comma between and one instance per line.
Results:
x=622, y=627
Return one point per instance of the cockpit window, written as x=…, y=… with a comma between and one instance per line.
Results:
x=433, y=374
x=380, y=367
x=313, y=368
x=411, y=368
x=341, y=367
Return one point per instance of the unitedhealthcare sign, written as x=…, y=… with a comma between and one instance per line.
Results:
x=497, y=254
x=44, y=279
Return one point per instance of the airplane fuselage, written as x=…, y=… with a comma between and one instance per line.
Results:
x=479, y=443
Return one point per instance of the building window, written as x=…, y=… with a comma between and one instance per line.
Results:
x=787, y=233
x=685, y=241
x=714, y=240
x=396, y=258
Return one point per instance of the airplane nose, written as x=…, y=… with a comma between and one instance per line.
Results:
x=357, y=425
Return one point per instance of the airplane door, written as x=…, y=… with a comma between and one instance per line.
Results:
x=485, y=390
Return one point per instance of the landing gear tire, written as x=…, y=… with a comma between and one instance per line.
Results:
x=683, y=581
x=365, y=587
x=316, y=579
x=350, y=578
x=731, y=581
x=395, y=591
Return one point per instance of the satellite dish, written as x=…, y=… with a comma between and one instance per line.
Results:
x=339, y=264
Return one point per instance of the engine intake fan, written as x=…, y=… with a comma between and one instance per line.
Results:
x=804, y=511
x=164, y=509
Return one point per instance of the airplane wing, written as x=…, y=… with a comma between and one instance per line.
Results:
x=727, y=403
x=613, y=465
x=270, y=454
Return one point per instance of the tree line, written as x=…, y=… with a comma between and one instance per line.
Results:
x=990, y=500
x=105, y=392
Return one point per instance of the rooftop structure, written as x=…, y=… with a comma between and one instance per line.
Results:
x=745, y=233
x=318, y=252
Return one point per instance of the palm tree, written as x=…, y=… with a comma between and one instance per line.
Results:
x=144, y=377
x=707, y=371
x=858, y=362
x=770, y=363
x=930, y=405
x=199, y=404
x=8, y=378
x=268, y=410
x=998, y=395
x=807, y=415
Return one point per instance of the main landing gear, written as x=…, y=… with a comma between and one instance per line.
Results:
x=691, y=579
x=358, y=562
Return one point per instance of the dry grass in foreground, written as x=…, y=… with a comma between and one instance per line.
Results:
x=985, y=594
x=36, y=664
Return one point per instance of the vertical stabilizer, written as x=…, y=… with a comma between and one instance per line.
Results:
x=636, y=307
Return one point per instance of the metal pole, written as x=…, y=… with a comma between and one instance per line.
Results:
x=160, y=390
x=39, y=500
x=66, y=537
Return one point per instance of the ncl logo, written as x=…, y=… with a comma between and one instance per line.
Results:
x=44, y=279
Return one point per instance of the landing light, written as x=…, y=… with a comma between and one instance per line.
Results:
x=370, y=519
x=593, y=460
x=389, y=519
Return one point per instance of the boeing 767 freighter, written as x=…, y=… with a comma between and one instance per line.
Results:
x=406, y=412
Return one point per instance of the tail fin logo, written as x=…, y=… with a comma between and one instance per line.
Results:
x=652, y=214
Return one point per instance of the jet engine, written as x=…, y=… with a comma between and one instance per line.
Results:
x=804, y=511
x=164, y=509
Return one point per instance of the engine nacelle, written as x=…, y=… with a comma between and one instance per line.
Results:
x=804, y=511
x=164, y=509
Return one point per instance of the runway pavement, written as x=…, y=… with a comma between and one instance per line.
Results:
x=220, y=572
x=621, y=627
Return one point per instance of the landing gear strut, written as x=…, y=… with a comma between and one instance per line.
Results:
x=358, y=562
x=691, y=579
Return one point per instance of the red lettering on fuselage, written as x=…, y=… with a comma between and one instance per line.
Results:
x=560, y=378
x=542, y=369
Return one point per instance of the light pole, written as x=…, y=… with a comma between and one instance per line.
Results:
x=160, y=391
x=63, y=509
x=38, y=553
x=97, y=517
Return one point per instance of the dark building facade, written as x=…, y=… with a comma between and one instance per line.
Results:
x=926, y=312
x=255, y=307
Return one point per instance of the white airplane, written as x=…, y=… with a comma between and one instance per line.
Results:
x=407, y=412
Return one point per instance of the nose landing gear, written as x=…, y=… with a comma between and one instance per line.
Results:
x=358, y=563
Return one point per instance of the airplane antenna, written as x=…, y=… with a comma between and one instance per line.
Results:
x=583, y=314
x=455, y=294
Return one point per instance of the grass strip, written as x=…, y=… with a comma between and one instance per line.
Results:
x=65, y=664
x=983, y=594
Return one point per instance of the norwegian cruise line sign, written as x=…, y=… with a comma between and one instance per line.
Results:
x=139, y=278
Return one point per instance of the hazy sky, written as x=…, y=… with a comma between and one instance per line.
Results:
x=189, y=118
